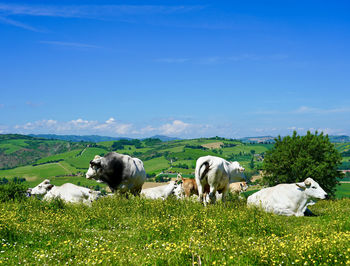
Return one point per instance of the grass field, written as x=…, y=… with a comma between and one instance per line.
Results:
x=136, y=231
x=343, y=191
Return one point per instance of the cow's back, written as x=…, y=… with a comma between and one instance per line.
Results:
x=284, y=199
x=68, y=192
x=134, y=175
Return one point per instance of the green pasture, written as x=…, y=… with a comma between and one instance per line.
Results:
x=61, y=156
x=156, y=164
x=40, y=171
x=341, y=147
x=136, y=231
x=343, y=190
x=82, y=161
x=10, y=148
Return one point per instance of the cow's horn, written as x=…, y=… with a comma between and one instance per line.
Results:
x=307, y=182
x=300, y=186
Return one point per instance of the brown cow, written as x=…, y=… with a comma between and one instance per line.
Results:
x=190, y=186
x=238, y=187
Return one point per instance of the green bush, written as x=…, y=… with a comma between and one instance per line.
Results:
x=295, y=158
x=12, y=191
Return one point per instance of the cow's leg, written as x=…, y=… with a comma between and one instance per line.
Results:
x=200, y=192
x=225, y=192
x=212, y=195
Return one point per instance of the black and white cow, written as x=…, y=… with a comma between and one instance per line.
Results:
x=120, y=172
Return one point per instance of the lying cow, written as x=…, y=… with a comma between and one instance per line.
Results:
x=288, y=199
x=218, y=174
x=67, y=192
x=120, y=172
x=160, y=192
x=238, y=187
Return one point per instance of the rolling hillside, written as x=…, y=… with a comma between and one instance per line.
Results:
x=36, y=159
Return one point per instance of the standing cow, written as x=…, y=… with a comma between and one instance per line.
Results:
x=288, y=199
x=218, y=174
x=120, y=172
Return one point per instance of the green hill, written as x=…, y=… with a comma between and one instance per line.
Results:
x=36, y=159
x=20, y=150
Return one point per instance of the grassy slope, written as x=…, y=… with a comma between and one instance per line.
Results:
x=135, y=231
x=343, y=191
x=75, y=162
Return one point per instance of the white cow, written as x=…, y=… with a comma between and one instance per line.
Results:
x=120, y=172
x=238, y=187
x=218, y=174
x=72, y=193
x=288, y=199
x=67, y=192
x=41, y=189
x=160, y=192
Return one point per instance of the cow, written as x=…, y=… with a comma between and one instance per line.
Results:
x=190, y=187
x=218, y=174
x=67, y=192
x=238, y=187
x=41, y=189
x=288, y=199
x=160, y=192
x=120, y=172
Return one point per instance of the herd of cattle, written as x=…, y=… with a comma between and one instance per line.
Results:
x=214, y=178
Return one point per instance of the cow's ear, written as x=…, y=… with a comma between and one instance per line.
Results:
x=94, y=163
x=50, y=186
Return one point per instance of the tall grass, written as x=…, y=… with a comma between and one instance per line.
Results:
x=136, y=231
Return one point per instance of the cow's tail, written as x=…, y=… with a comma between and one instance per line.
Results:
x=205, y=171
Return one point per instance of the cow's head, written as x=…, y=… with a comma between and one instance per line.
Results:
x=95, y=167
x=178, y=190
x=94, y=195
x=312, y=189
x=237, y=172
x=41, y=189
x=243, y=186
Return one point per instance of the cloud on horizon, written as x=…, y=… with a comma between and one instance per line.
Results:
x=93, y=11
x=109, y=127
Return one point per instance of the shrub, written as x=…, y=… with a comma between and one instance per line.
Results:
x=295, y=158
x=12, y=191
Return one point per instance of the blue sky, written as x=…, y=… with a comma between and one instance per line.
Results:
x=178, y=68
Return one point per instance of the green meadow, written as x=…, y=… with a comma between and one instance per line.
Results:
x=136, y=231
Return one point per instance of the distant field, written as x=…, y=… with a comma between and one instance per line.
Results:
x=40, y=171
x=156, y=164
x=82, y=161
x=61, y=156
x=343, y=191
x=67, y=159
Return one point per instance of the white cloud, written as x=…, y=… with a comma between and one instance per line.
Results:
x=18, y=24
x=173, y=128
x=70, y=44
x=77, y=126
x=92, y=11
x=176, y=127
x=312, y=110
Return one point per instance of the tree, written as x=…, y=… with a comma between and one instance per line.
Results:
x=251, y=164
x=294, y=158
